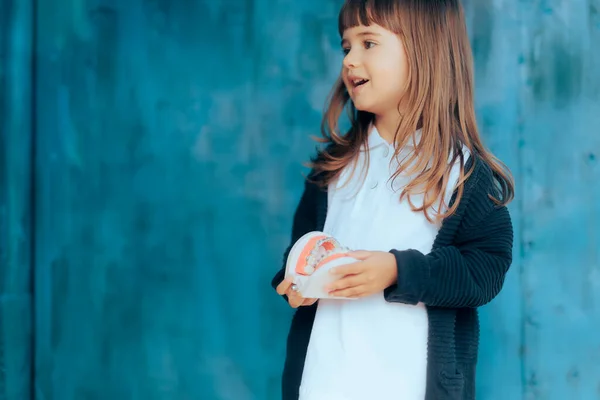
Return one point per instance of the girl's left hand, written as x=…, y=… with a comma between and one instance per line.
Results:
x=376, y=271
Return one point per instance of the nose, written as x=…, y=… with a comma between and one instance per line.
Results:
x=351, y=60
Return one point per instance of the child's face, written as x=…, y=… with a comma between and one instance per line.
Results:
x=376, y=55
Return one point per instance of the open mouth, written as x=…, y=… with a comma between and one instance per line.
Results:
x=359, y=82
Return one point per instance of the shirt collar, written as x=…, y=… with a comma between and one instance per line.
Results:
x=375, y=140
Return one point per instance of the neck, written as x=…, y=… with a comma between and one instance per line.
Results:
x=387, y=125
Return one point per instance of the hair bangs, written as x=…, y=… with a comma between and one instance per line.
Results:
x=366, y=12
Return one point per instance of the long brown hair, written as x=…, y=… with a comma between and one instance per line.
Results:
x=438, y=99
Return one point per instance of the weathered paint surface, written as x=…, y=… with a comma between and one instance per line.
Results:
x=15, y=195
x=561, y=188
x=169, y=147
x=161, y=211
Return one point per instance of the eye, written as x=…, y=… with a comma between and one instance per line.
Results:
x=368, y=44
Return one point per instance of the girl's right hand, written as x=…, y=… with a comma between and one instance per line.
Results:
x=294, y=298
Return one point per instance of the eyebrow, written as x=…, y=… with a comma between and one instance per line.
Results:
x=364, y=33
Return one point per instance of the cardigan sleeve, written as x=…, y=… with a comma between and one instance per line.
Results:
x=469, y=273
x=304, y=221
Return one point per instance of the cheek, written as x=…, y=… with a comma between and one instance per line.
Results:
x=345, y=81
x=395, y=74
x=402, y=66
x=393, y=67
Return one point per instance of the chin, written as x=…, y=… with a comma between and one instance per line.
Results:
x=361, y=106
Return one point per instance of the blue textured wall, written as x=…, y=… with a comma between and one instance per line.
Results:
x=169, y=140
x=172, y=135
x=15, y=199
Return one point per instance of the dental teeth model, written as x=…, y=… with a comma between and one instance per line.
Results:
x=310, y=260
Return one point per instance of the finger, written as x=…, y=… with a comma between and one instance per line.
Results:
x=283, y=287
x=352, y=292
x=293, y=291
x=349, y=269
x=309, y=302
x=360, y=254
x=295, y=300
x=346, y=282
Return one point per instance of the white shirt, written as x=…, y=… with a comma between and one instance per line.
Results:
x=370, y=349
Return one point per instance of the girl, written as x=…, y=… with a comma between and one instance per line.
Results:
x=412, y=183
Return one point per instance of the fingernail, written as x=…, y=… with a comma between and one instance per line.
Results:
x=332, y=271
